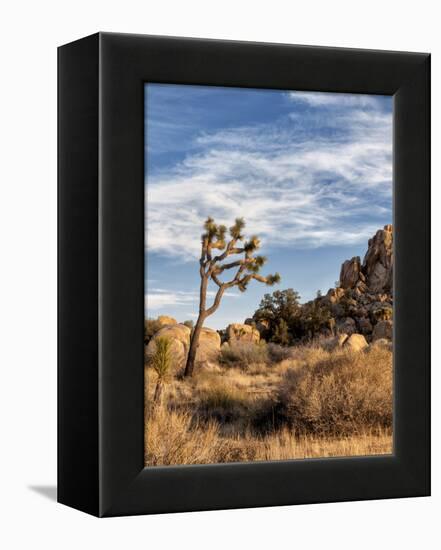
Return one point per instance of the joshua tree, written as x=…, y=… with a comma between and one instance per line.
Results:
x=212, y=266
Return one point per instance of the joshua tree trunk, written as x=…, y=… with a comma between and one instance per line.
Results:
x=211, y=267
x=194, y=341
x=203, y=314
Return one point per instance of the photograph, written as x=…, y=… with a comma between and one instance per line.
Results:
x=268, y=274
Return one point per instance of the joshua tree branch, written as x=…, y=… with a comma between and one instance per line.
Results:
x=209, y=252
x=268, y=280
x=230, y=249
x=217, y=300
x=216, y=280
x=237, y=263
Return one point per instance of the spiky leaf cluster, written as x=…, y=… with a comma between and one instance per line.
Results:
x=235, y=230
x=161, y=359
x=256, y=264
x=248, y=267
x=214, y=236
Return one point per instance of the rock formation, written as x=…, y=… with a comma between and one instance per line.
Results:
x=237, y=332
x=365, y=292
x=350, y=273
x=361, y=304
x=208, y=348
x=382, y=330
x=180, y=337
x=378, y=261
x=209, y=345
x=376, y=273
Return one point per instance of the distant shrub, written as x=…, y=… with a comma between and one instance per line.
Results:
x=189, y=324
x=278, y=353
x=223, y=403
x=244, y=354
x=281, y=333
x=345, y=393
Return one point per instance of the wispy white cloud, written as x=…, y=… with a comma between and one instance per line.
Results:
x=160, y=298
x=339, y=100
x=295, y=187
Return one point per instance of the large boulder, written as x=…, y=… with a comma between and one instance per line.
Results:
x=334, y=295
x=364, y=325
x=382, y=330
x=355, y=342
x=378, y=261
x=209, y=345
x=360, y=287
x=350, y=273
x=180, y=337
x=237, y=332
x=165, y=320
x=262, y=325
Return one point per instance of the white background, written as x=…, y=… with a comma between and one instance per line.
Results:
x=30, y=34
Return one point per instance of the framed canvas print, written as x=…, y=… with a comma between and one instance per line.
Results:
x=244, y=271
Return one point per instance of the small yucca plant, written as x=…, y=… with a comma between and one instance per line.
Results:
x=161, y=362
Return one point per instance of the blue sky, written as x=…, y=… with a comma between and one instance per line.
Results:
x=310, y=172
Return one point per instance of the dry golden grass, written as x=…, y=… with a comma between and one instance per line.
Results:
x=174, y=438
x=284, y=446
x=171, y=439
x=315, y=403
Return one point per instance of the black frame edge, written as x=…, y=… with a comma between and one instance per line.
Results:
x=78, y=150
x=412, y=172
x=127, y=62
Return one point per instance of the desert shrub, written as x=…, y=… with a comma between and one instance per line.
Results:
x=277, y=353
x=222, y=401
x=315, y=317
x=345, y=393
x=219, y=397
x=281, y=333
x=279, y=311
x=289, y=321
x=189, y=324
x=244, y=354
x=151, y=327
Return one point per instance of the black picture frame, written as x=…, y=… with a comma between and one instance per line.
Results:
x=101, y=274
